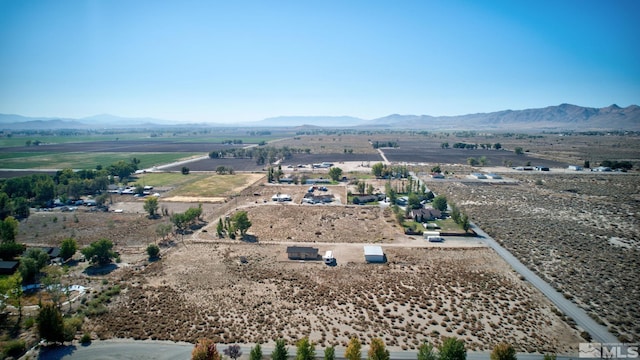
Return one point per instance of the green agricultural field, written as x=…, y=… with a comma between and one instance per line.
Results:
x=21, y=140
x=169, y=179
x=85, y=160
x=216, y=185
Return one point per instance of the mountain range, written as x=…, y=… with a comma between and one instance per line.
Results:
x=552, y=118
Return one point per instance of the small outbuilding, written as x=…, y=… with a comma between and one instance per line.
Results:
x=302, y=253
x=8, y=267
x=373, y=254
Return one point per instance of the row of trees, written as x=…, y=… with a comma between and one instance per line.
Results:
x=450, y=349
x=237, y=222
x=18, y=194
x=460, y=218
x=385, y=144
x=462, y=145
x=381, y=170
x=262, y=155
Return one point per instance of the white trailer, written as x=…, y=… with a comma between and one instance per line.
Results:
x=328, y=257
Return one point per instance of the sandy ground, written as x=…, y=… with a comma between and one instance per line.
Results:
x=249, y=291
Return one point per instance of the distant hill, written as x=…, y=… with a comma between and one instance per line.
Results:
x=552, y=118
x=320, y=121
x=561, y=117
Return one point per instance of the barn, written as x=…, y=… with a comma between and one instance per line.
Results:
x=302, y=253
x=373, y=254
x=8, y=267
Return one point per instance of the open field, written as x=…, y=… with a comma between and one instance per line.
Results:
x=201, y=288
x=79, y=160
x=573, y=229
x=204, y=290
x=580, y=232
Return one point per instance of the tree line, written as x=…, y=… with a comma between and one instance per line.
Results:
x=262, y=155
x=450, y=348
x=462, y=145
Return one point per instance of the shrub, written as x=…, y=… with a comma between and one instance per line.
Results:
x=13, y=348
x=153, y=251
x=85, y=339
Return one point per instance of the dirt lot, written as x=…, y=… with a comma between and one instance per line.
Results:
x=580, y=232
x=206, y=290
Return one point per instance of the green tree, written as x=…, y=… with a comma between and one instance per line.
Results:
x=99, y=252
x=28, y=269
x=180, y=221
x=31, y=263
x=11, y=288
x=483, y=160
x=330, y=353
x=280, y=352
x=153, y=251
x=241, y=222
x=426, y=352
x=305, y=349
x=503, y=351
x=377, y=350
x=361, y=185
x=5, y=206
x=414, y=201
x=9, y=229
x=436, y=169
x=335, y=173
x=354, y=349
x=151, y=206
x=21, y=208
x=205, y=349
x=440, y=203
x=220, y=228
x=370, y=189
x=185, y=170
x=377, y=169
x=549, y=357
x=472, y=161
x=464, y=223
x=518, y=150
x=256, y=353
x=452, y=349
x=50, y=324
x=163, y=230
x=455, y=214
x=68, y=248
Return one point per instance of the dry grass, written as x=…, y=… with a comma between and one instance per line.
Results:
x=204, y=290
x=579, y=232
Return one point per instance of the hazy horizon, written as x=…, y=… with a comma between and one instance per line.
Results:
x=245, y=61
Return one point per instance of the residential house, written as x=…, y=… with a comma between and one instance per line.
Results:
x=426, y=214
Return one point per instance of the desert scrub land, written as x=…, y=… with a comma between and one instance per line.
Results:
x=309, y=223
x=239, y=293
x=580, y=232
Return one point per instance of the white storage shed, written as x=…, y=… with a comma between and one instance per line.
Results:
x=373, y=254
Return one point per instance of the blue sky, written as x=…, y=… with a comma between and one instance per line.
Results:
x=231, y=61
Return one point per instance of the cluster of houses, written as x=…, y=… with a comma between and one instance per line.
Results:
x=10, y=267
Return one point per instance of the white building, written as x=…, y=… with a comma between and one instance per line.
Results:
x=373, y=254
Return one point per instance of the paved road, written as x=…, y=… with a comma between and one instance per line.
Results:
x=163, y=350
x=597, y=331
